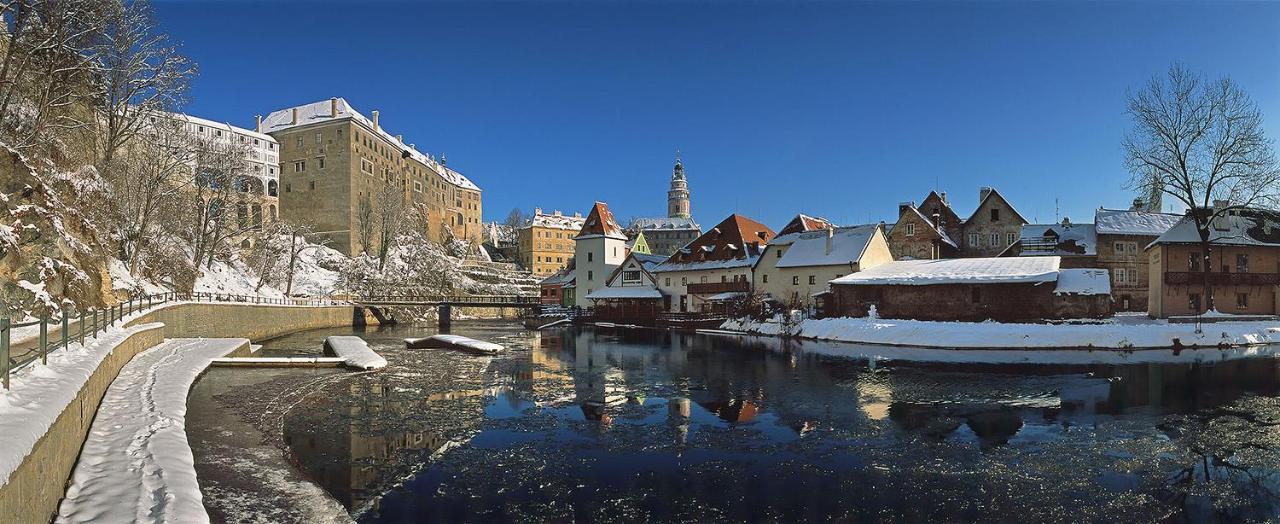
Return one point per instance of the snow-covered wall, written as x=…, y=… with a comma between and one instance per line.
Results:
x=252, y=321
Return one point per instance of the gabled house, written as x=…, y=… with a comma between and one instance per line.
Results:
x=993, y=227
x=802, y=223
x=921, y=237
x=715, y=268
x=1123, y=237
x=631, y=292
x=796, y=266
x=638, y=244
x=1075, y=244
x=552, y=288
x=599, y=248
x=1243, y=266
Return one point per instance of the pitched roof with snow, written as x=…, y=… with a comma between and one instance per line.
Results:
x=625, y=292
x=810, y=248
x=1008, y=270
x=1126, y=222
x=942, y=234
x=338, y=109
x=1058, y=239
x=1083, y=282
x=600, y=222
x=802, y=223
x=1245, y=227
x=664, y=223
x=995, y=194
x=734, y=242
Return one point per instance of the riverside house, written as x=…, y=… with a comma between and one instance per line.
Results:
x=598, y=250
x=631, y=292
x=796, y=266
x=1243, y=265
x=973, y=289
x=714, y=269
x=934, y=230
x=1123, y=237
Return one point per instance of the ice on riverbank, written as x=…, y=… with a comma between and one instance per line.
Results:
x=136, y=465
x=454, y=342
x=1120, y=333
x=355, y=350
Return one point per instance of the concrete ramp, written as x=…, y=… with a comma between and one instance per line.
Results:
x=136, y=465
x=454, y=342
x=355, y=350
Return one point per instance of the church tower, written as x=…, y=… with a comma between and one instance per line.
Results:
x=678, y=195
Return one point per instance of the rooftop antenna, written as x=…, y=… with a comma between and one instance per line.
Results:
x=1055, y=210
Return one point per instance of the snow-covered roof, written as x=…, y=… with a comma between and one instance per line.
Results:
x=324, y=111
x=1083, y=282
x=600, y=222
x=556, y=221
x=1245, y=227
x=810, y=248
x=225, y=127
x=663, y=223
x=1058, y=239
x=940, y=231
x=647, y=261
x=1125, y=222
x=705, y=265
x=558, y=279
x=625, y=292
x=997, y=270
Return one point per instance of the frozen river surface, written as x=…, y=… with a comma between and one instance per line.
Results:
x=644, y=425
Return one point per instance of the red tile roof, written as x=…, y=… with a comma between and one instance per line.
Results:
x=802, y=223
x=736, y=237
x=600, y=222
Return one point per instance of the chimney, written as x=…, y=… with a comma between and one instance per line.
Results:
x=831, y=234
x=904, y=206
x=982, y=194
x=537, y=211
x=943, y=195
x=413, y=147
x=294, y=122
x=259, y=127
x=400, y=138
x=937, y=220
x=375, y=121
x=1066, y=222
x=333, y=107
x=557, y=213
x=577, y=214
x=1138, y=205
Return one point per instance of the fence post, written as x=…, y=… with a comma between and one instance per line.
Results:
x=95, y=322
x=44, y=340
x=82, y=322
x=4, y=350
x=65, y=325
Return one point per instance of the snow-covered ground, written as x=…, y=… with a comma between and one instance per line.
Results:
x=136, y=465
x=38, y=394
x=1125, y=332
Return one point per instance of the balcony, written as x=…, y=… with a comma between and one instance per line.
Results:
x=1222, y=279
x=711, y=288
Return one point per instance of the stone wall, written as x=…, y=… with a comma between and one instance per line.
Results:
x=34, y=490
x=254, y=322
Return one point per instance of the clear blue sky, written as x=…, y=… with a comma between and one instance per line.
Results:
x=835, y=109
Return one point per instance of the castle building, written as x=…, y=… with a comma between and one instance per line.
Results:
x=546, y=241
x=666, y=235
x=336, y=165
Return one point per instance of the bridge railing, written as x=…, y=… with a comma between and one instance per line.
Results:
x=521, y=300
x=74, y=326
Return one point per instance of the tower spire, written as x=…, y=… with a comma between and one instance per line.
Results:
x=678, y=195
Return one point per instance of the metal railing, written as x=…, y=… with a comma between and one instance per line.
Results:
x=708, y=288
x=92, y=322
x=403, y=298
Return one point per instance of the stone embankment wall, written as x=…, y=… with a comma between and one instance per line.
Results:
x=34, y=490
x=251, y=321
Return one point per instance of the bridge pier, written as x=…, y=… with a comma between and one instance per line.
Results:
x=444, y=313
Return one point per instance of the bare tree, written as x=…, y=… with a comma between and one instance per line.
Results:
x=298, y=244
x=219, y=199
x=142, y=74
x=366, y=223
x=146, y=174
x=391, y=217
x=515, y=219
x=47, y=64
x=1201, y=143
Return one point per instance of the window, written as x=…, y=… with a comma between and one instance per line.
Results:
x=995, y=238
x=1242, y=301
x=1010, y=239
x=1242, y=263
x=590, y=275
x=320, y=162
x=995, y=214
x=795, y=280
x=778, y=252
x=911, y=229
x=312, y=185
x=724, y=278
x=764, y=279
x=631, y=276
x=1133, y=275
x=1193, y=261
x=703, y=280
x=668, y=284
x=1120, y=247
x=973, y=239
x=417, y=187
x=366, y=166
x=319, y=138
x=684, y=281
x=299, y=141
x=1193, y=300
x=975, y=294
x=299, y=166
x=288, y=188
x=812, y=280
x=590, y=256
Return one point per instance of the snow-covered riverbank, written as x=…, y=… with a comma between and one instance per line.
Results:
x=1125, y=332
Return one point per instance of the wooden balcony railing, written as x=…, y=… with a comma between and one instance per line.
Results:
x=1222, y=279
x=710, y=288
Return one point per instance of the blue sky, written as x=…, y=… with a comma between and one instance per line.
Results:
x=834, y=109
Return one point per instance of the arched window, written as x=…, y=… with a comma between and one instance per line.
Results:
x=246, y=244
x=272, y=190
x=273, y=215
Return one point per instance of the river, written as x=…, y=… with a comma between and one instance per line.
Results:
x=597, y=424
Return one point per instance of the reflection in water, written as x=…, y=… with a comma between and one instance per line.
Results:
x=596, y=424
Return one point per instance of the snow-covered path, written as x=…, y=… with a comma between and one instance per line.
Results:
x=136, y=465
